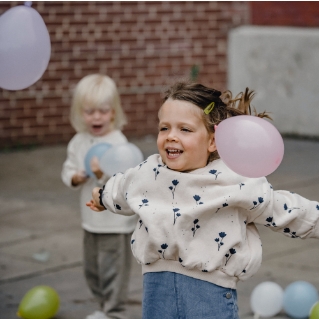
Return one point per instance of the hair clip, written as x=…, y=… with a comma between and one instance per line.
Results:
x=209, y=108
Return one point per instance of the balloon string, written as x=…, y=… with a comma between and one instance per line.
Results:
x=28, y=3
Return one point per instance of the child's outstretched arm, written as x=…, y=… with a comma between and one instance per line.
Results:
x=94, y=203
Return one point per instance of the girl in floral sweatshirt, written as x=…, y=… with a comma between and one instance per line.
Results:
x=196, y=236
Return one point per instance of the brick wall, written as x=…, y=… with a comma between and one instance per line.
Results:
x=143, y=46
x=285, y=13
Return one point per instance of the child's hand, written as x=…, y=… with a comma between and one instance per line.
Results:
x=94, y=203
x=79, y=178
x=95, y=167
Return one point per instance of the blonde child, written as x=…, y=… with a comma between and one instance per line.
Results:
x=196, y=235
x=97, y=116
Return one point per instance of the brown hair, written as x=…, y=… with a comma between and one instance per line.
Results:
x=225, y=105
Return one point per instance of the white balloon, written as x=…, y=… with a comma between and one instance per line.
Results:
x=25, y=48
x=120, y=157
x=266, y=299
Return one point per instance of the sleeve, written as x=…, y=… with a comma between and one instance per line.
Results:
x=290, y=214
x=114, y=194
x=69, y=166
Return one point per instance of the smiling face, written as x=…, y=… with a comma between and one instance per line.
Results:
x=183, y=140
x=99, y=121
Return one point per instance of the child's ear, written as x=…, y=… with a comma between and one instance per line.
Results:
x=212, y=145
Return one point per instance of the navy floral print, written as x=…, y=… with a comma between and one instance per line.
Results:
x=241, y=185
x=214, y=172
x=291, y=233
x=176, y=214
x=257, y=203
x=218, y=203
x=224, y=205
x=232, y=252
x=289, y=209
x=156, y=170
x=219, y=241
x=162, y=251
x=144, y=203
x=270, y=222
x=197, y=199
x=173, y=188
x=140, y=165
x=196, y=226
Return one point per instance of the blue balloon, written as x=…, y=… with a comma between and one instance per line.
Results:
x=96, y=150
x=299, y=297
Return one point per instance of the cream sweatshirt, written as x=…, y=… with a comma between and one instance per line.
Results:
x=103, y=222
x=202, y=223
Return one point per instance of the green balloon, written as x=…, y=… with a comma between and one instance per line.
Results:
x=314, y=312
x=40, y=302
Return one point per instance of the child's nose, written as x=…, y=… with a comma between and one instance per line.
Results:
x=96, y=114
x=172, y=136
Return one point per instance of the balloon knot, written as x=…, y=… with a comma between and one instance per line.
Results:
x=28, y=3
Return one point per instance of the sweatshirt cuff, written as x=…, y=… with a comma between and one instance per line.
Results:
x=101, y=190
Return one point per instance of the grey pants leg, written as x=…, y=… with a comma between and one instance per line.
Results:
x=107, y=265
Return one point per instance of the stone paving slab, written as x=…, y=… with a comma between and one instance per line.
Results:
x=39, y=215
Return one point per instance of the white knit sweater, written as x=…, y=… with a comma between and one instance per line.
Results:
x=202, y=224
x=103, y=222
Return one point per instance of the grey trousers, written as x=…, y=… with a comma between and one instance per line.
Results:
x=107, y=265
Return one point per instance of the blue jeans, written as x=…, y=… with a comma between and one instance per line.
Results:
x=167, y=295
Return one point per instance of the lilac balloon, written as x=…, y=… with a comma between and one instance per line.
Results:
x=25, y=48
x=249, y=145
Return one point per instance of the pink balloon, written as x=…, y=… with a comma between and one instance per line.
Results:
x=249, y=145
x=25, y=48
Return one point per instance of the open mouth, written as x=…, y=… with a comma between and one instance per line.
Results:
x=96, y=127
x=173, y=153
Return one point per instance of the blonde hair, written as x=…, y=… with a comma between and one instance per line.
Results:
x=225, y=105
x=94, y=91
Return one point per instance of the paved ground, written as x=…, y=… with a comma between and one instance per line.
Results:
x=41, y=238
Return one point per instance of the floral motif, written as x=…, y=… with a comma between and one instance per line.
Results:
x=291, y=233
x=232, y=251
x=176, y=214
x=163, y=246
x=196, y=226
x=140, y=165
x=144, y=203
x=241, y=185
x=156, y=170
x=117, y=206
x=172, y=188
x=290, y=209
x=141, y=223
x=270, y=222
x=224, y=205
x=219, y=241
x=257, y=203
x=214, y=172
x=197, y=199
